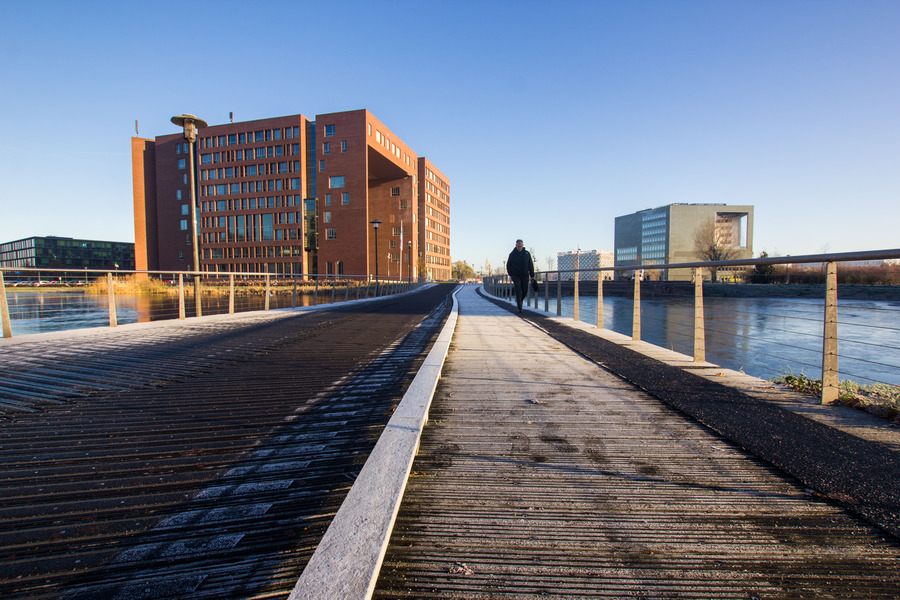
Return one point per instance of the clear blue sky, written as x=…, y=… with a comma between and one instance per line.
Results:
x=550, y=118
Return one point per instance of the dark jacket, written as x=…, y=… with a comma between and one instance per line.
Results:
x=520, y=264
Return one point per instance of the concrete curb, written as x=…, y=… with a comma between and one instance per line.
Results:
x=347, y=561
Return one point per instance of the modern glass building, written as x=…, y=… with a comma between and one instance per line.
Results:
x=585, y=259
x=668, y=234
x=66, y=254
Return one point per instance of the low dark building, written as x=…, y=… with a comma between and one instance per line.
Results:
x=66, y=254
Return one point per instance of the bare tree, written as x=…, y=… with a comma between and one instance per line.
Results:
x=550, y=262
x=709, y=246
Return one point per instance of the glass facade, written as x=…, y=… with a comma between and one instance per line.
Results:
x=66, y=253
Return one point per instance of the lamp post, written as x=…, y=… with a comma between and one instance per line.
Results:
x=409, y=266
x=191, y=124
x=375, y=223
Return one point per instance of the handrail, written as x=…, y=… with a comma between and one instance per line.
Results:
x=380, y=286
x=499, y=285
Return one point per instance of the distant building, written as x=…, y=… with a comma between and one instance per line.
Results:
x=65, y=253
x=287, y=195
x=667, y=235
x=585, y=259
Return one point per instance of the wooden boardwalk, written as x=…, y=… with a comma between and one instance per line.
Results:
x=542, y=474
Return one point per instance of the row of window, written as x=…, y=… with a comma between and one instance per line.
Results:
x=437, y=226
x=252, y=252
x=281, y=218
x=251, y=170
x=247, y=203
x=249, y=154
x=233, y=139
x=251, y=187
x=429, y=199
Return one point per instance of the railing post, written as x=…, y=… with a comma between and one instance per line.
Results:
x=546, y=292
x=599, y=299
x=346, y=290
x=333, y=286
x=231, y=294
x=830, y=381
x=316, y=293
x=267, y=292
x=111, y=295
x=576, y=311
x=636, y=309
x=197, y=306
x=558, y=293
x=699, y=321
x=358, y=285
x=294, y=294
x=181, y=311
x=4, y=309
x=367, y=289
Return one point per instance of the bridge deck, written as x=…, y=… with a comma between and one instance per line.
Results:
x=542, y=474
x=194, y=459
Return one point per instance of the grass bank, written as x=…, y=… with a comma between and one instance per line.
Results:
x=880, y=399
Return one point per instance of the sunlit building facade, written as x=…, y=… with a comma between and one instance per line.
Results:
x=668, y=235
x=286, y=196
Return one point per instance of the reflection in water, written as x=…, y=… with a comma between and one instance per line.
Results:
x=765, y=337
x=57, y=311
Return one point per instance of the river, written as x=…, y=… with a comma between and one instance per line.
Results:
x=764, y=337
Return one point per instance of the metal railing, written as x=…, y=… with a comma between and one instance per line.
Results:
x=90, y=297
x=693, y=326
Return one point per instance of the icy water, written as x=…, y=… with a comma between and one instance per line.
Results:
x=765, y=337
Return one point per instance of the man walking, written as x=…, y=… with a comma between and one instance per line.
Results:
x=520, y=269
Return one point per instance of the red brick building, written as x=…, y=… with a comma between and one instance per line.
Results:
x=292, y=196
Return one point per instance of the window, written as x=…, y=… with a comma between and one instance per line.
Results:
x=345, y=198
x=242, y=138
x=329, y=130
x=182, y=163
x=327, y=216
x=295, y=183
x=331, y=233
x=336, y=182
x=185, y=209
x=395, y=191
x=183, y=224
x=326, y=148
x=327, y=199
x=282, y=167
x=322, y=166
x=178, y=194
x=258, y=136
x=232, y=139
x=343, y=145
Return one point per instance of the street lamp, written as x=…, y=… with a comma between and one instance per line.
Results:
x=375, y=223
x=409, y=261
x=191, y=124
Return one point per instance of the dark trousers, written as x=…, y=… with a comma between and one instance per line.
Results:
x=520, y=284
